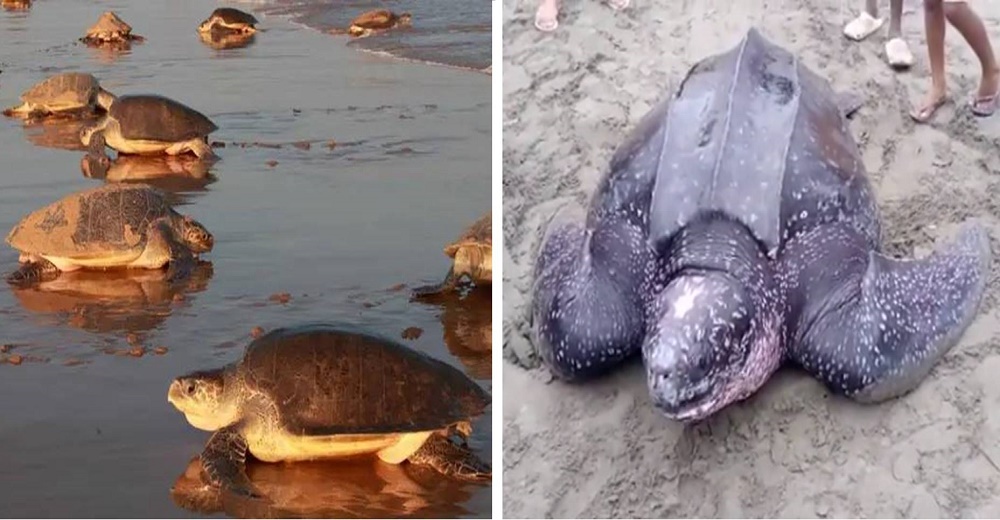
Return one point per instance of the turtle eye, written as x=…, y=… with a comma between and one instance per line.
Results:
x=190, y=388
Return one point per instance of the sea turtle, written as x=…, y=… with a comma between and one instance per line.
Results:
x=67, y=93
x=317, y=391
x=110, y=29
x=229, y=19
x=736, y=229
x=149, y=124
x=114, y=225
x=472, y=256
x=222, y=40
x=15, y=5
x=377, y=20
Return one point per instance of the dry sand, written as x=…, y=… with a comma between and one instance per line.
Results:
x=600, y=449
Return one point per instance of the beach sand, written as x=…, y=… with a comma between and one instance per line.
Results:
x=601, y=449
x=90, y=432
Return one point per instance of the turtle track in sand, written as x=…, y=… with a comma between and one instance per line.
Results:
x=601, y=449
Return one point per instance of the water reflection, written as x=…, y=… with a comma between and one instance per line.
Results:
x=174, y=174
x=348, y=489
x=16, y=5
x=468, y=330
x=222, y=40
x=58, y=132
x=131, y=301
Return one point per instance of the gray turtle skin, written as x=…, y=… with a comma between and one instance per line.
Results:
x=319, y=391
x=736, y=230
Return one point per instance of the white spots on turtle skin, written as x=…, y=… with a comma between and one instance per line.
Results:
x=890, y=320
x=691, y=289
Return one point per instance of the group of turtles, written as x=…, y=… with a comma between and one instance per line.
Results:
x=299, y=393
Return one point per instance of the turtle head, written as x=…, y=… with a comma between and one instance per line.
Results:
x=201, y=396
x=707, y=345
x=195, y=236
x=105, y=99
x=405, y=19
x=207, y=25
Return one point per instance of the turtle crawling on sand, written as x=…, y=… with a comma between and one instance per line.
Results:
x=229, y=19
x=472, y=258
x=110, y=29
x=735, y=230
x=321, y=392
x=148, y=124
x=377, y=20
x=67, y=93
x=112, y=226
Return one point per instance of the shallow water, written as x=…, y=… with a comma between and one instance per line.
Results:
x=448, y=32
x=86, y=429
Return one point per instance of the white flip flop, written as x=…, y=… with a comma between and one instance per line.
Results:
x=897, y=52
x=863, y=26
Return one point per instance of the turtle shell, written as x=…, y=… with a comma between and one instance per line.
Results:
x=72, y=89
x=113, y=218
x=109, y=22
x=480, y=233
x=377, y=19
x=327, y=380
x=158, y=118
x=233, y=16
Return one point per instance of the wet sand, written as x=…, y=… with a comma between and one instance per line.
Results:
x=86, y=429
x=793, y=450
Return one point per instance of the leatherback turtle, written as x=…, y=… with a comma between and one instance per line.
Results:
x=736, y=229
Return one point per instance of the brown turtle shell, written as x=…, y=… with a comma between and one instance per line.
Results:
x=326, y=380
x=376, y=19
x=109, y=22
x=68, y=89
x=158, y=118
x=92, y=223
x=479, y=233
x=233, y=16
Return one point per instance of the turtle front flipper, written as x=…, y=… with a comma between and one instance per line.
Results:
x=452, y=460
x=449, y=283
x=870, y=326
x=224, y=462
x=33, y=272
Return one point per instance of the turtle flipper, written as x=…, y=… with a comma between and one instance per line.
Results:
x=870, y=326
x=33, y=272
x=449, y=283
x=224, y=462
x=450, y=459
x=849, y=103
x=587, y=307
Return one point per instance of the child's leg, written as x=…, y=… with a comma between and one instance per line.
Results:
x=897, y=52
x=865, y=24
x=934, y=25
x=547, y=15
x=971, y=26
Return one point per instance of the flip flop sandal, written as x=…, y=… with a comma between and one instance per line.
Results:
x=618, y=5
x=862, y=27
x=897, y=52
x=547, y=24
x=984, y=106
x=926, y=113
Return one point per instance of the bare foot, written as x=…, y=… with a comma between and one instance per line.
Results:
x=985, y=102
x=547, y=16
x=926, y=110
x=618, y=5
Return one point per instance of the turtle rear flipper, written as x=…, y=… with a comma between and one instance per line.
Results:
x=451, y=460
x=870, y=326
x=449, y=282
x=224, y=462
x=33, y=272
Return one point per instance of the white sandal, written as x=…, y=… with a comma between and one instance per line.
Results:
x=863, y=26
x=897, y=52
